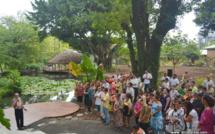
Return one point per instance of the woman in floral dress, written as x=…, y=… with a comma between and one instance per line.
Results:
x=118, y=106
x=156, y=121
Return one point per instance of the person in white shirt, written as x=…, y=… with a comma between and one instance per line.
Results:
x=130, y=90
x=147, y=77
x=173, y=93
x=106, y=85
x=174, y=81
x=98, y=101
x=135, y=85
x=207, y=82
x=190, y=117
x=166, y=84
x=163, y=79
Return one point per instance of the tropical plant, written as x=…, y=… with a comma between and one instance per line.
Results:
x=87, y=67
x=5, y=122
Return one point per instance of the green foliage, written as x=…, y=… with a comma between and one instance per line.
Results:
x=75, y=22
x=200, y=80
x=205, y=16
x=40, y=86
x=14, y=80
x=5, y=122
x=87, y=67
x=18, y=42
x=34, y=66
x=199, y=63
x=192, y=52
x=174, y=49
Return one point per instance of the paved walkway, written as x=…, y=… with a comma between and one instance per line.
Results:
x=38, y=111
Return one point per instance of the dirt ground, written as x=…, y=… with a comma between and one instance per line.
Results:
x=193, y=72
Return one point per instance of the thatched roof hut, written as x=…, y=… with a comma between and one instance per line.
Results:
x=67, y=56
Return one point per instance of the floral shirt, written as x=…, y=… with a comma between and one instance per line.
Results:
x=17, y=103
x=80, y=90
x=145, y=112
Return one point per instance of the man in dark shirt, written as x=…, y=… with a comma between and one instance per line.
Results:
x=198, y=104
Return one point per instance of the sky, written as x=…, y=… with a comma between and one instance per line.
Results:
x=11, y=7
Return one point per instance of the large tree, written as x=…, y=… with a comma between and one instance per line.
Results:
x=205, y=16
x=73, y=21
x=18, y=43
x=151, y=20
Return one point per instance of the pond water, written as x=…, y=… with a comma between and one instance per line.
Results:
x=66, y=96
x=28, y=99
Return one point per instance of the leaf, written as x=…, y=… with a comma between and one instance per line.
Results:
x=86, y=64
x=5, y=122
x=76, y=69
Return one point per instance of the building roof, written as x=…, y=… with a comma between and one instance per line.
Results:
x=66, y=57
x=210, y=47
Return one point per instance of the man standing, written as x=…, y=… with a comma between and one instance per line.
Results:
x=105, y=104
x=194, y=88
x=207, y=82
x=163, y=79
x=106, y=85
x=88, y=98
x=174, y=81
x=147, y=77
x=144, y=116
x=18, y=106
x=135, y=83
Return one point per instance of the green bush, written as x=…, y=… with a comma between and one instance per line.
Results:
x=199, y=63
x=14, y=80
x=200, y=80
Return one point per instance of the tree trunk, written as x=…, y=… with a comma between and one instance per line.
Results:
x=132, y=54
x=173, y=68
x=138, y=27
x=107, y=63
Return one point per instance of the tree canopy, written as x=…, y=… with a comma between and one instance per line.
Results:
x=205, y=16
x=78, y=23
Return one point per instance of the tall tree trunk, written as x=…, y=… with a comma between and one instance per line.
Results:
x=132, y=54
x=107, y=63
x=138, y=26
x=149, y=48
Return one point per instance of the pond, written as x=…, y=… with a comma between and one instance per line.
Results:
x=28, y=99
x=64, y=92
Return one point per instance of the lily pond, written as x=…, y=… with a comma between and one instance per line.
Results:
x=40, y=89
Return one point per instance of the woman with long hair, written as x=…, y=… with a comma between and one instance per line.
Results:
x=206, y=122
x=190, y=117
x=156, y=121
x=127, y=110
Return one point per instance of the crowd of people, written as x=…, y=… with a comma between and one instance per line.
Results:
x=171, y=108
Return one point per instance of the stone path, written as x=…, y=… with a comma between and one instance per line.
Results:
x=38, y=111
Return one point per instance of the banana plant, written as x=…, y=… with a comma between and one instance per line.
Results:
x=88, y=68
